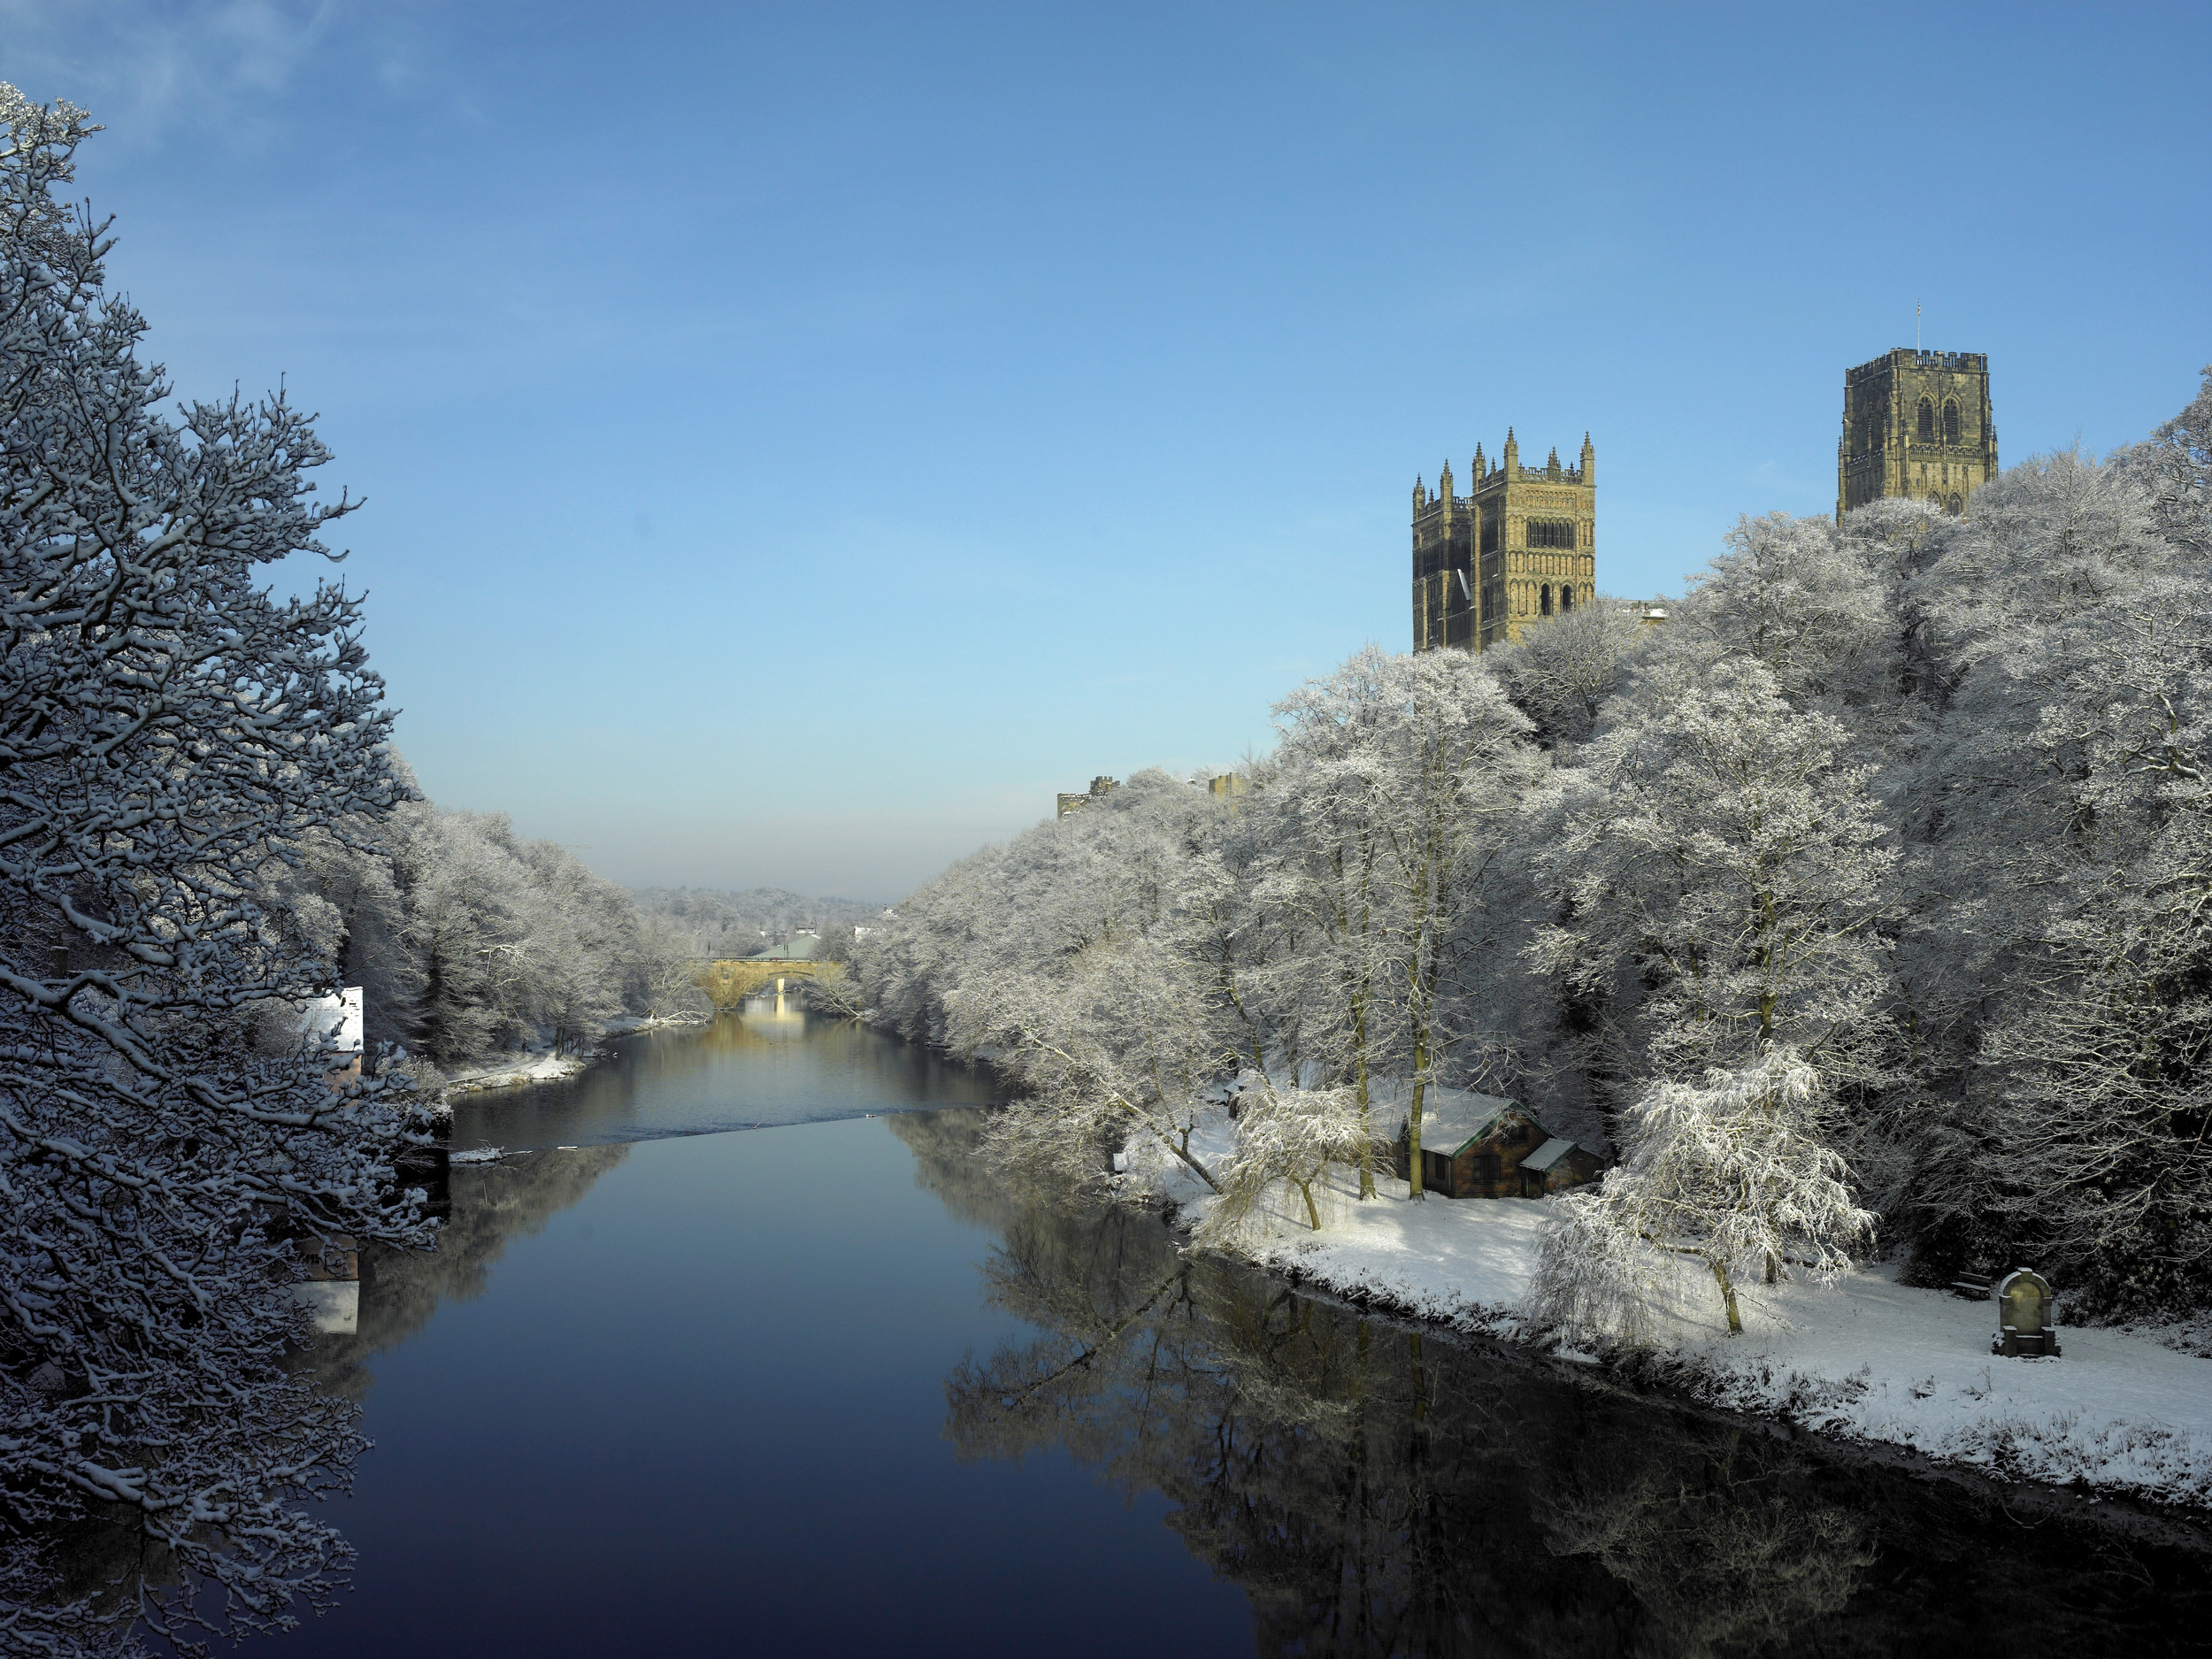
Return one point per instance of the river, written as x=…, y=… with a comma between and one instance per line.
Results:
x=678, y=1384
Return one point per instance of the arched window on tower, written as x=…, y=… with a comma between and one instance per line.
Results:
x=1545, y=599
x=1566, y=600
x=1927, y=420
x=1956, y=505
x=1950, y=421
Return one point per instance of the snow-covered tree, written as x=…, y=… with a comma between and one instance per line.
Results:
x=1118, y=1048
x=1389, y=796
x=1718, y=868
x=2175, y=468
x=1563, y=671
x=661, y=971
x=1897, y=541
x=1454, y=768
x=2039, y=812
x=1735, y=1171
x=1237, y=939
x=1799, y=598
x=501, y=940
x=172, y=735
x=1288, y=1138
x=462, y=926
x=2049, y=539
x=2081, y=1135
x=1068, y=959
x=349, y=910
x=1323, y=874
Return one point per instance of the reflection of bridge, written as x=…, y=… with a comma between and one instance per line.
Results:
x=729, y=980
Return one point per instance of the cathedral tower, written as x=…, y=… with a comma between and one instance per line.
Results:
x=1519, y=546
x=1916, y=424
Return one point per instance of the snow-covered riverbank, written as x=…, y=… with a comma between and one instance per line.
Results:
x=511, y=1071
x=631, y=1025
x=1864, y=1359
x=514, y=1069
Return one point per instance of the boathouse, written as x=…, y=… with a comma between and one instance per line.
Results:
x=1477, y=1146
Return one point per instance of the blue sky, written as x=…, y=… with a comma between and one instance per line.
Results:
x=798, y=440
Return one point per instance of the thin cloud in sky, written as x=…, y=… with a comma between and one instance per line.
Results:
x=215, y=69
x=148, y=69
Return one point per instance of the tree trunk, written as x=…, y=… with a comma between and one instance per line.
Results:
x=1728, y=1295
x=1367, y=1138
x=1359, y=1020
x=1416, y=1187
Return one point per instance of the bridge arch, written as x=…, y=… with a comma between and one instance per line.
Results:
x=729, y=980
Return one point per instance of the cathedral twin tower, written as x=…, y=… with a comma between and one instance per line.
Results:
x=1521, y=544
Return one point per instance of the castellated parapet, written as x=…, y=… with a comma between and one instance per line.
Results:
x=1100, y=787
x=1520, y=546
x=1916, y=424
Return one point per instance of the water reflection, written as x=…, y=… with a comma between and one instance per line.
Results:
x=1376, y=1489
x=697, y=1375
x=761, y=1065
x=768, y=1063
x=489, y=1206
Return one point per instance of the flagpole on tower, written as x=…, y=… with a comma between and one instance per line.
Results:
x=1915, y=325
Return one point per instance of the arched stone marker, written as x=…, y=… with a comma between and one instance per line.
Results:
x=2027, y=1322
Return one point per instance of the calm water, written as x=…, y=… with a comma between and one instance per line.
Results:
x=829, y=1387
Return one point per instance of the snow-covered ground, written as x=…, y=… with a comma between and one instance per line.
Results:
x=512, y=1070
x=630, y=1025
x=509, y=1071
x=1863, y=1358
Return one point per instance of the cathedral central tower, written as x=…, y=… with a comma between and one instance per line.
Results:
x=1916, y=424
x=1519, y=546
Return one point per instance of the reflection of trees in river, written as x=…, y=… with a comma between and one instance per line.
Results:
x=1376, y=1489
x=948, y=1161
x=734, y=1071
x=107, y=1558
x=1721, y=1549
x=843, y=1046
x=491, y=1204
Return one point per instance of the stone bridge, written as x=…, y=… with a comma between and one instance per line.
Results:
x=729, y=980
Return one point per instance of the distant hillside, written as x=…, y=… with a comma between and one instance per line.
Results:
x=738, y=924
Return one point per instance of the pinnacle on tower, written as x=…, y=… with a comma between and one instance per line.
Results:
x=1480, y=473
x=1551, y=467
x=1444, y=483
x=1589, y=461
